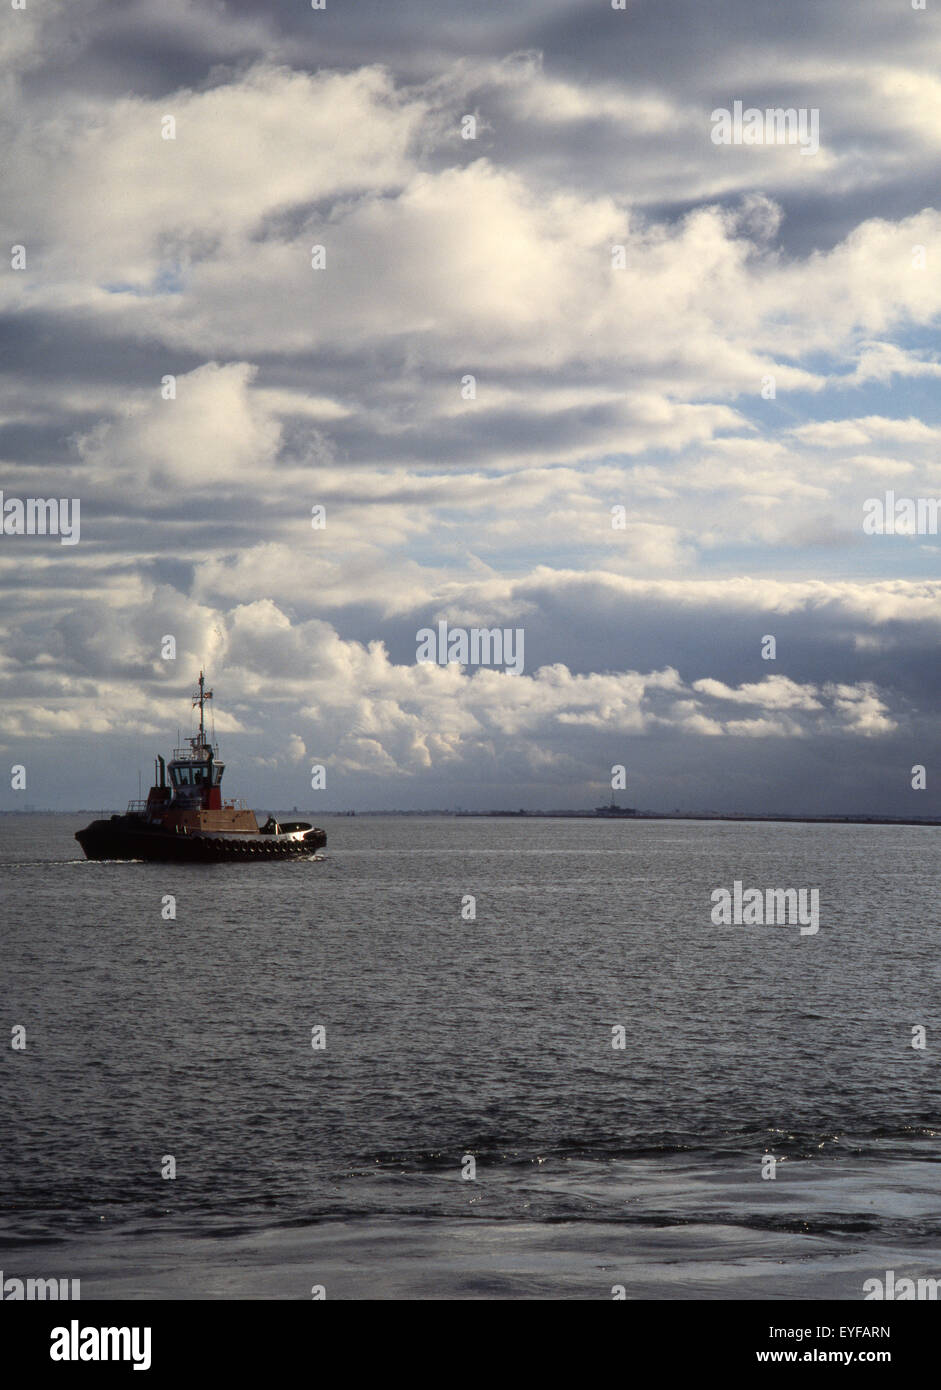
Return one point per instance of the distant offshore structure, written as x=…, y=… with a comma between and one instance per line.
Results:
x=615, y=810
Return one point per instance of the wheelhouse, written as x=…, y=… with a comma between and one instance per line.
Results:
x=193, y=772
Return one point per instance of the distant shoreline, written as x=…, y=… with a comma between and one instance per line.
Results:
x=676, y=815
x=731, y=816
x=699, y=815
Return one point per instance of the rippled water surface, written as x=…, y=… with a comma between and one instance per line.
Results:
x=447, y=1037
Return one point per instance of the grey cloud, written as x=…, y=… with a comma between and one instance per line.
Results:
x=201, y=528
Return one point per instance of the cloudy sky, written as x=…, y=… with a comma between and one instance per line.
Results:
x=636, y=379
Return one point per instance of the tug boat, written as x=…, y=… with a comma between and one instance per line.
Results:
x=185, y=818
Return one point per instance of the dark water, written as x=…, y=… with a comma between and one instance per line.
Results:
x=492, y=1038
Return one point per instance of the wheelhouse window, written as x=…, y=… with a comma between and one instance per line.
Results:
x=195, y=774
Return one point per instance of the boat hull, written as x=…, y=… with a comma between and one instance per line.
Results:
x=126, y=837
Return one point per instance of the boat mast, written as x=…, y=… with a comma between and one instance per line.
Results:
x=200, y=698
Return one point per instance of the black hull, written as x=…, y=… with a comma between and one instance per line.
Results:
x=122, y=838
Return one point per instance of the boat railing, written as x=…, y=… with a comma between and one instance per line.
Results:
x=136, y=808
x=190, y=755
x=236, y=804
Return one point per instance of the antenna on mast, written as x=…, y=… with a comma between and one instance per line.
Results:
x=199, y=698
